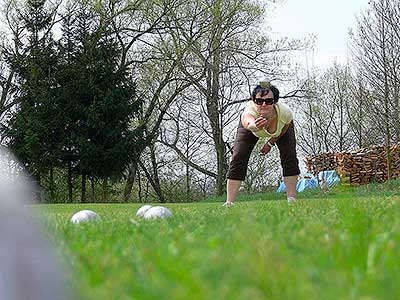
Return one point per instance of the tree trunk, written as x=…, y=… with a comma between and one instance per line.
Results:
x=130, y=180
x=51, y=179
x=343, y=92
x=386, y=101
x=104, y=190
x=70, y=187
x=83, y=195
x=38, y=190
x=139, y=188
x=188, y=196
x=156, y=187
x=360, y=115
x=212, y=104
x=156, y=178
x=146, y=194
x=92, y=199
x=397, y=111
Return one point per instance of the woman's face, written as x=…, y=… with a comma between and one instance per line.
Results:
x=265, y=104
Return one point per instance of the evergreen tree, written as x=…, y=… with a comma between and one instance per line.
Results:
x=36, y=126
x=98, y=96
x=76, y=101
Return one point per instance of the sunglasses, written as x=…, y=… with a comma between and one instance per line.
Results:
x=267, y=101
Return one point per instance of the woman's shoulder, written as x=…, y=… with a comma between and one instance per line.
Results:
x=250, y=108
x=285, y=111
x=283, y=106
x=250, y=104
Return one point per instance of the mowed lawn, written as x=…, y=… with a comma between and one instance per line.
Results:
x=341, y=245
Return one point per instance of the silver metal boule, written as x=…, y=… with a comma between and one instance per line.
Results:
x=142, y=210
x=158, y=212
x=84, y=216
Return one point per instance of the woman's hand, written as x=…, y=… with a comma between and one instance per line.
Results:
x=265, y=149
x=258, y=124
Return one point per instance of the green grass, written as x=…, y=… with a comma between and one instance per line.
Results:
x=340, y=244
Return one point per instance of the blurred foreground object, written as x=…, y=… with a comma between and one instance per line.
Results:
x=28, y=265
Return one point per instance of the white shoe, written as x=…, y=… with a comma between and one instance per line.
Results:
x=228, y=203
x=291, y=199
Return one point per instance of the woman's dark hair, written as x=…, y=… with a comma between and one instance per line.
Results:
x=263, y=89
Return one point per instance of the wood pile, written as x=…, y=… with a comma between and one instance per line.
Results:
x=395, y=160
x=321, y=162
x=358, y=167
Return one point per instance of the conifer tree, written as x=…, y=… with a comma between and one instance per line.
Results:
x=36, y=127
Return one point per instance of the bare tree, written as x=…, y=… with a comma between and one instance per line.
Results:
x=183, y=133
x=326, y=114
x=142, y=32
x=377, y=56
x=224, y=43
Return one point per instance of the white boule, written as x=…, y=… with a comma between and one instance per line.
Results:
x=142, y=210
x=84, y=216
x=157, y=212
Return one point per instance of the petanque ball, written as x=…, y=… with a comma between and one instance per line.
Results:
x=157, y=212
x=84, y=216
x=142, y=210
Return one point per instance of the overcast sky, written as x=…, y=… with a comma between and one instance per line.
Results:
x=328, y=20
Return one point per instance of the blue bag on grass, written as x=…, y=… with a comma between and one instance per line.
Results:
x=305, y=182
x=328, y=178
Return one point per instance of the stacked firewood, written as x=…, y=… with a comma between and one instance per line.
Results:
x=369, y=165
x=321, y=162
x=395, y=160
x=344, y=165
x=358, y=167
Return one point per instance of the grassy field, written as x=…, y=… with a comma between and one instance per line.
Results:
x=343, y=244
